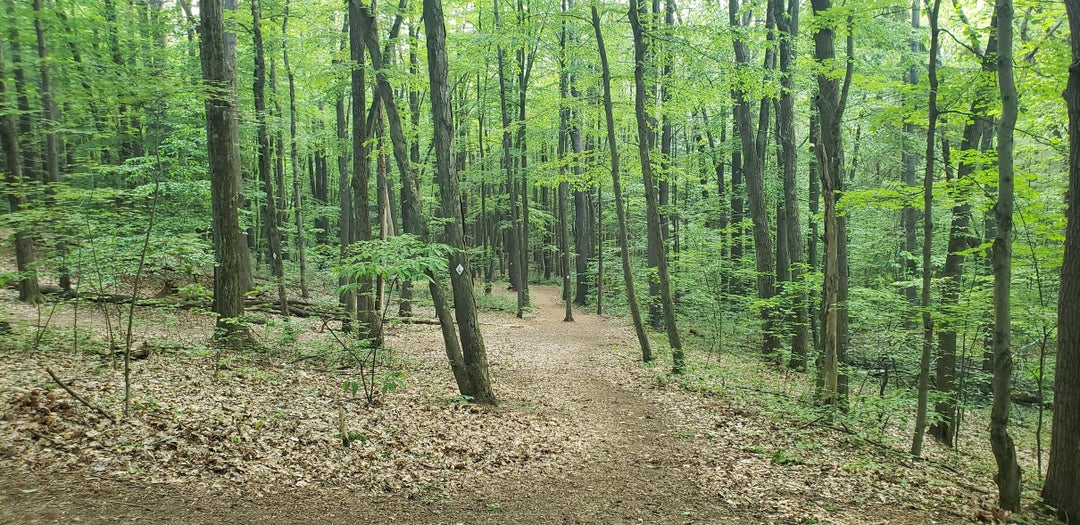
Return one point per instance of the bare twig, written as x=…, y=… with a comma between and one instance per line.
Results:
x=78, y=397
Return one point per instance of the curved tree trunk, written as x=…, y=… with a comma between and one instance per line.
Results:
x=616, y=186
x=652, y=201
x=472, y=343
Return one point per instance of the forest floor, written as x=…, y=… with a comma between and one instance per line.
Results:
x=583, y=434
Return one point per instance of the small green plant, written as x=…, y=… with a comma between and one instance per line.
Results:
x=782, y=458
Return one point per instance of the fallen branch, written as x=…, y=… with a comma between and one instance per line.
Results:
x=78, y=397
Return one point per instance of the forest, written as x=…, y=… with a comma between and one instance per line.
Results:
x=767, y=260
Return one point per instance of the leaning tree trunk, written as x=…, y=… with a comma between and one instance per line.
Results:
x=472, y=343
x=616, y=187
x=1008, y=473
x=652, y=203
x=1062, y=489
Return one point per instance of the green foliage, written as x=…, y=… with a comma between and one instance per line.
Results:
x=402, y=257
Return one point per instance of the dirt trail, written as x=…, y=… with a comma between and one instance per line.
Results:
x=635, y=467
x=624, y=463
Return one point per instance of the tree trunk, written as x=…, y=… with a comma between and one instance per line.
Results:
x=472, y=343
x=269, y=208
x=652, y=203
x=830, y=153
x=976, y=138
x=29, y=291
x=294, y=159
x=513, y=241
x=928, y=236
x=1008, y=474
x=369, y=319
x=583, y=220
x=1062, y=489
x=753, y=157
x=616, y=185
x=563, y=186
x=223, y=145
x=909, y=159
x=787, y=22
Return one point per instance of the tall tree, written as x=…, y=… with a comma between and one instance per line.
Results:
x=928, y=235
x=1062, y=489
x=269, y=208
x=367, y=315
x=223, y=148
x=616, y=187
x=787, y=22
x=652, y=200
x=754, y=142
x=977, y=136
x=830, y=162
x=29, y=291
x=461, y=280
x=1008, y=471
x=294, y=157
x=909, y=217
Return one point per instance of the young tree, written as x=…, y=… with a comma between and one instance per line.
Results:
x=472, y=343
x=223, y=148
x=1062, y=489
x=294, y=158
x=616, y=187
x=652, y=201
x=928, y=235
x=1008, y=473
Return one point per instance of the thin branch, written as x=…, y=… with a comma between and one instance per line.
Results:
x=78, y=397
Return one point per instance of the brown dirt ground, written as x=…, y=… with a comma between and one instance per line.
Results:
x=636, y=459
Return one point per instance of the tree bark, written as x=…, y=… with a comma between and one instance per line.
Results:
x=976, y=138
x=223, y=145
x=652, y=203
x=616, y=186
x=1008, y=471
x=830, y=162
x=269, y=208
x=1062, y=489
x=472, y=343
x=787, y=21
x=294, y=160
x=909, y=159
x=753, y=144
x=928, y=236
x=29, y=290
x=368, y=317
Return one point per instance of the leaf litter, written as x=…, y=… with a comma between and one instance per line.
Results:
x=575, y=406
